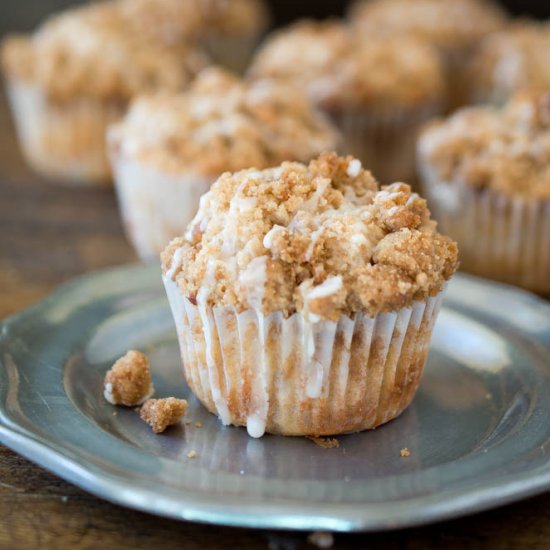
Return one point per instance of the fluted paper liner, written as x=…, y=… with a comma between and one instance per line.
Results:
x=293, y=377
x=499, y=236
x=156, y=206
x=63, y=140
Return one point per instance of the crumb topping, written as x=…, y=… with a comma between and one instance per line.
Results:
x=341, y=69
x=513, y=59
x=93, y=51
x=313, y=239
x=129, y=382
x=444, y=23
x=161, y=413
x=223, y=123
x=506, y=149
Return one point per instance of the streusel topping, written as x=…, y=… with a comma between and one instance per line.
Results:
x=339, y=68
x=445, y=23
x=513, y=59
x=161, y=413
x=92, y=51
x=223, y=123
x=321, y=238
x=506, y=149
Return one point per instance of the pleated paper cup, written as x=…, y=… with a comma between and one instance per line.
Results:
x=501, y=237
x=294, y=377
x=156, y=206
x=384, y=139
x=64, y=141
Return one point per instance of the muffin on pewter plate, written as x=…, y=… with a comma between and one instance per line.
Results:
x=378, y=91
x=486, y=174
x=304, y=297
x=454, y=27
x=170, y=148
x=74, y=76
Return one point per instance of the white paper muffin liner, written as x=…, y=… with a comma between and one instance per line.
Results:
x=62, y=141
x=384, y=139
x=156, y=206
x=499, y=237
x=232, y=52
x=294, y=377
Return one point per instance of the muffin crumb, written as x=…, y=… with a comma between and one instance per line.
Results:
x=198, y=424
x=321, y=539
x=405, y=452
x=325, y=442
x=161, y=413
x=128, y=382
x=192, y=454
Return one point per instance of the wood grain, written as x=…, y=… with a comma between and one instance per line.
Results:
x=49, y=234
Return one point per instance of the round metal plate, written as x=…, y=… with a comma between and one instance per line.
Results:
x=478, y=431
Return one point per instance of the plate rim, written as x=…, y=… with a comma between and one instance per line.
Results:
x=226, y=510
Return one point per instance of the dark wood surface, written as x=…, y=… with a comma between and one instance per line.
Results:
x=49, y=234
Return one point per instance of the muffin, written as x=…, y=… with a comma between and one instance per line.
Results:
x=304, y=297
x=455, y=27
x=511, y=60
x=486, y=175
x=227, y=29
x=73, y=77
x=169, y=149
x=378, y=91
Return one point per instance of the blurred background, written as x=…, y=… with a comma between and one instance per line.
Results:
x=25, y=14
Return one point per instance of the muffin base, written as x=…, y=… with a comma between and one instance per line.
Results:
x=155, y=206
x=384, y=139
x=499, y=237
x=62, y=141
x=293, y=377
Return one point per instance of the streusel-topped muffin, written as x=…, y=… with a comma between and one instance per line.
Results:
x=487, y=177
x=511, y=60
x=377, y=89
x=74, y=76
x=455, y=27
x=170, y=148
x=311, y=293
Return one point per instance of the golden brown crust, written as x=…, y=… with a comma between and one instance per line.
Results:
x=343, y=70
x=222, y=123
x=321, y=239
x=507, y=149
x=128, y=382
x=448, y=24
x=161, y=413
x=93, y=52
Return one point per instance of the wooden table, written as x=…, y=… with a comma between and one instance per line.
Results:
x=49, y=234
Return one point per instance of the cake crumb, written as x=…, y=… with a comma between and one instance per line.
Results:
x=488, y=396
x=187, y=421
x=192, y=454
x=198, y=424
x=321, y=539
x=115, y=413
x=325, y=442
x=161, y=413
x=405, y=452
x=128, y=382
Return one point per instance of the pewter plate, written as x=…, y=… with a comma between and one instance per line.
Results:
x=478, y=431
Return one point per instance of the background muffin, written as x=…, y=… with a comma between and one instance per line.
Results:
x=455, y=27
x=74, y=76
x=304, y=297
x=486, y=174
x=170, y=148
x=511, y=60
x=377, y=90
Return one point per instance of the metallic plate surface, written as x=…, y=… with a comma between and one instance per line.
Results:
x=478, y=431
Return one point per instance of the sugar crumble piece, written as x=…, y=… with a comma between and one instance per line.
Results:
x=321, y=539
x=192, y=454
x=405, y=452
x=198, y=424
x=161, y=413
x=128, y=382
x=325, y=442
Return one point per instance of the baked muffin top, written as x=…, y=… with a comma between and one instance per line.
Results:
x=321, y=239
x=512, y=59
x=445, y=23
x=505, y=149
x=223, y=123
x=92, y=51
x=340, y=69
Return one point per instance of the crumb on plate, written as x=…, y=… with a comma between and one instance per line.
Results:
x=325, y=442
x=161, y=413
x=405, y=452
x=192, y=454
x=321, y=539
